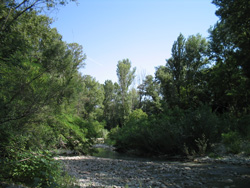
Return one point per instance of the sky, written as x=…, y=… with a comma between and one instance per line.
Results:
x=141, y=30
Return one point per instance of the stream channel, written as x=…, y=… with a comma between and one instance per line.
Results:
x=107, y=168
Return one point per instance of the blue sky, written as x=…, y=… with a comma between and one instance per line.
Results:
x=140, y=30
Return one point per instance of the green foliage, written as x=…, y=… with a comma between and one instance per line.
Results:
x=233, y=31
x=46, y=104
x=90, y=99
x=229, y=41
x=150, y=100
x=125, y=79
x=182, y=78
x=233, y=141
x=39, y=74
x=200, y=123
x=76, y=134
x=243, y=126
x=34, y=170
x=143, y=134
x=172, y=133
x=113, y=133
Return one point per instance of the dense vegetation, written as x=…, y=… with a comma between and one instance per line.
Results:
x=199, y=98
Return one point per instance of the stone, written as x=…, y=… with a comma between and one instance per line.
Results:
x=104, y=172
x=229, y=181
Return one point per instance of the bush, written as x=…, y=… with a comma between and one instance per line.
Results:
x=200, y=125
x=243, y=126
x=147, y=135
x=232, y=141
x=111, y=138
x=24, y=156
x=130, y=136
x=34, y=170
x=236, y=137
x=76, y=134
x=169, y=133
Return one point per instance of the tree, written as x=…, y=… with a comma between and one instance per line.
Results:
x=91, y=99
x=234, y=29
x=38, y=72
x=125, y=79
x=12, y=10
x=229, y=49
x=35, y=72
x=112, y=104
x=134, y=99
x=176, y=64
x=196, y=66
x=109, y=104
x=149, y=92
x=182, y=79
x=172, y=75
x=228, y=82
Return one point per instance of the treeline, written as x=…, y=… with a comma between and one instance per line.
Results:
x=199, y=98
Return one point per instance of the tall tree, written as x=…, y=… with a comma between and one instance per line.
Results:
x=234, y=29
x=125, y=78
x=229, y=46
x=182, y=80
x=176, y=64
x=113, y=107
x=109, y=111
x=196, y=66
x=172, y=75
x=37, y=71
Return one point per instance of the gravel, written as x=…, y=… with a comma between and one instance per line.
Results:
x=117, y=173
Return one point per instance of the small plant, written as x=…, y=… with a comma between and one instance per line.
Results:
x=186, y=150
x=213, y=155
x=202, y=145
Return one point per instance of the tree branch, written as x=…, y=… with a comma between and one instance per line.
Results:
x=19, y=14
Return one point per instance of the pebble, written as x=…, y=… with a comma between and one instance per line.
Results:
x=103, y=172
x=228, y=181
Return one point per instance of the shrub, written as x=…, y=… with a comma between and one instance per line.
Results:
x=243, y=126
x=232, y=141
x=147, y=135
x=112, y=136
x=77, y=134
x=198, y=125
x=170, y=133
x=34, y=170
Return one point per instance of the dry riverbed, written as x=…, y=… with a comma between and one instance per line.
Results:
x=204, y=172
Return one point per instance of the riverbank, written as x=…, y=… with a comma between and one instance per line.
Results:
x=203, y=172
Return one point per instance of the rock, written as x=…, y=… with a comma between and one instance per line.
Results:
x=229, y=181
